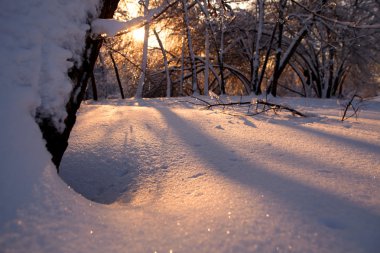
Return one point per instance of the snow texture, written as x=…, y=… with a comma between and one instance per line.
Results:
x=171, y=177
x=40, y=40
x=164, y=176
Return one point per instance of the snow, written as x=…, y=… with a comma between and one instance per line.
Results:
x=39, y=45
x=110, y=27
x=162, y=175
x=39, y=40
x=173, y=177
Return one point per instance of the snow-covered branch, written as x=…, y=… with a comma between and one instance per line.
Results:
x=338, y=22
x=111, y=27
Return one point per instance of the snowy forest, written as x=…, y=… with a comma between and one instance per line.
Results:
x=190, y=126
x=299, y=48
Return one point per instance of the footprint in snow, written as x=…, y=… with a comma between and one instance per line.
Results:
x=219, y=127
x=332, y=223
x=197, y=175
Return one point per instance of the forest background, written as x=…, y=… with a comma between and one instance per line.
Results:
x=295, y=48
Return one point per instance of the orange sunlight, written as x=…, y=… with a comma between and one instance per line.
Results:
x=133, y=9
x=138, y=34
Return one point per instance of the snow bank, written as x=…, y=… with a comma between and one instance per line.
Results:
x=40, y=40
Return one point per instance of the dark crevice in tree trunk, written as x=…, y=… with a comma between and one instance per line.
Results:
x=57, y=141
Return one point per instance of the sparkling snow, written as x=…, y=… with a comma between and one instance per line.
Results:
x=163, y=175
x=174, y=177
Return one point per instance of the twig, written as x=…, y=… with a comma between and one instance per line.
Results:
x=281, y=107
x=335, y=21
x=204, y=101
x=355, y=108
x=227, y=104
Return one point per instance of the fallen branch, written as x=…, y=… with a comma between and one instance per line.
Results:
x=281, y=107
x=271, y=106
x=355, y=107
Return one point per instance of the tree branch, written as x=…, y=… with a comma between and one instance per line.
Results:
x=272, y=106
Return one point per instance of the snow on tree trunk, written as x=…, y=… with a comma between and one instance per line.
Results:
x=256, y=58
x=207, y=46
x=207, y=64
x=57, y=139
x=182, y=66
x=191, y=50
x=211, y=68
x=144, y=61
x=221, y=52
x=168, y=80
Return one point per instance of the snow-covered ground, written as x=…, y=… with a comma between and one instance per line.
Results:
x=165, y=176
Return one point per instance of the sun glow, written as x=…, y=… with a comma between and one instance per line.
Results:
x=132, y=9
x=138, y=34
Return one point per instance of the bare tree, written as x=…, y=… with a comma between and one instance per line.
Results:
x=194, y=81
x=255, y=87
x=117, y=75
x=144, y=62
x=167, y=72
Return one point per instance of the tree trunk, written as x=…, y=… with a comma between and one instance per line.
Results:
x=265, y=64
x=117, y=75
x=331, y=71
x=221, y=53
x=144, y=62
x=256, y=57
x=207, y=60
x=191, y=50
x=207, y=46
x=166, y=64
x=277, y=73
x=56, y=140
x=182, y=66
x=94, y=89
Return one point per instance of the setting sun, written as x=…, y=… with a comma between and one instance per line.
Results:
x=134, y=10
x=138, y=34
